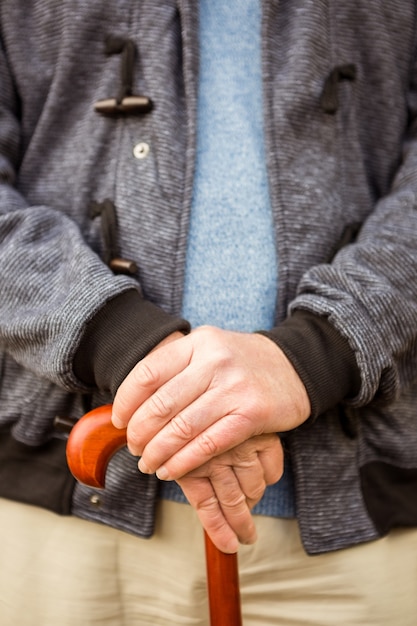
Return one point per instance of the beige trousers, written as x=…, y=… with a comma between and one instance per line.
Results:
x=57, y=571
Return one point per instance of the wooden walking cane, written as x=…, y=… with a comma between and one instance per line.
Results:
x=92, y=442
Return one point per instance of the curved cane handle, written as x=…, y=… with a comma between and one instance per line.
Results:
x=91, y=444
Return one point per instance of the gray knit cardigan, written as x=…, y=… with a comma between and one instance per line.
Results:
x=85, y=89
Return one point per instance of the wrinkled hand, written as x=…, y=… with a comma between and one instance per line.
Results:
x=198, y=396
x=203, y=410
x=225, y=489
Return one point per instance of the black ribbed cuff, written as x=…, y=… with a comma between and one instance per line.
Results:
x=125, y=330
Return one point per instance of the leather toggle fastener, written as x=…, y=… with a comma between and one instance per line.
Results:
x=128, y=105
x=107, y=212
x=126, y=102
x=123, y=266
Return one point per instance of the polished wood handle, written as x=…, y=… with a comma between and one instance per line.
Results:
x=91, y=443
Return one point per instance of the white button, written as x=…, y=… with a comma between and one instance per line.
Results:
x=95, y=501
x=141, y=150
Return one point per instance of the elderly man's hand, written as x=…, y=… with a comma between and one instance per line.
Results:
x=225, y=489
x=199, y=395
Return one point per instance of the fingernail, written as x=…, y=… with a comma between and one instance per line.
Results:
x=143, y=468
x=232, y=546
x=117, y=423
x=162, y=473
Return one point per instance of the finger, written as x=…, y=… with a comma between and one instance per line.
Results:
x=233, y=501
x=251, y=480
x=168, y=407
x=256, y=464
x=201, y=496
x=237, y=480
x=224, y=434
x=271, y=457
x=148, y=376
x=183, y=428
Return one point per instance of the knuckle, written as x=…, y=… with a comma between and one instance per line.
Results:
x=145, y=376
x=181, y=427
x=211, y=515
x=209, y=505
x=235, y=502
x=256, y=493
x=161, y=405
x=207, y=445
x=244, y=456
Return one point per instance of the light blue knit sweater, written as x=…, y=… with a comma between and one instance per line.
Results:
x=231, y=269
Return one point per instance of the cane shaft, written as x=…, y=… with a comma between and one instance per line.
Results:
x=223, y=586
